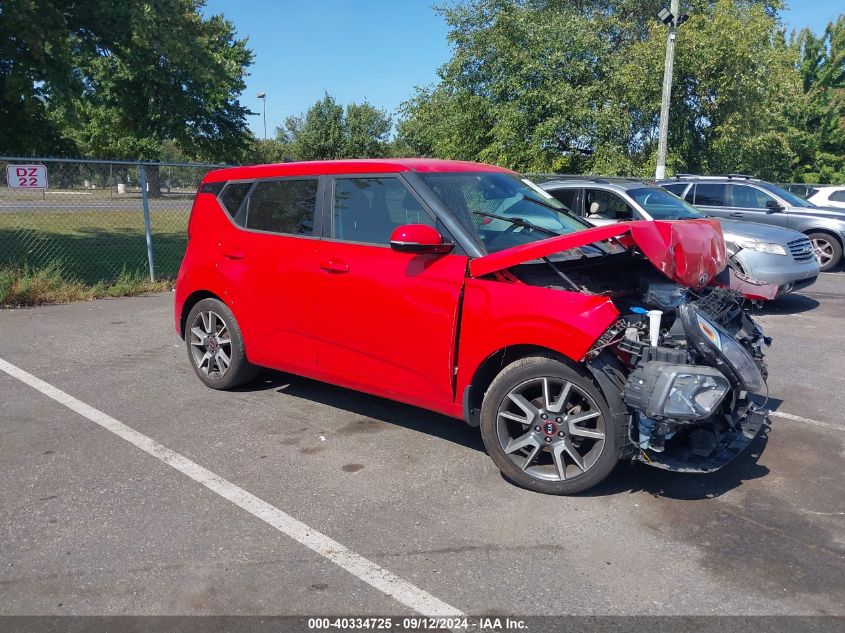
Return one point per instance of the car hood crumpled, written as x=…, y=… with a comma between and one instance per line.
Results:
x=689, y=252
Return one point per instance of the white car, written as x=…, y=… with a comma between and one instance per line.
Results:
x=829, y=197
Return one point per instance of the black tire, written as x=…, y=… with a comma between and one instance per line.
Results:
x=239, y=370
x=524, y=372
x=835, y=249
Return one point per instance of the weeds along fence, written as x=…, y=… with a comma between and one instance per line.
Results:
x=98, y=220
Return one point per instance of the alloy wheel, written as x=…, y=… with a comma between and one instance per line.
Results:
x=551, y=429
x=211, y=345
x=823, y=250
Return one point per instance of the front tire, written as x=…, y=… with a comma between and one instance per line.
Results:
x=215, y=346
x=827, y=249
x=547, y=427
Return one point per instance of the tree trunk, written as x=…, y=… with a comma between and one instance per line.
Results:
x=153, y=181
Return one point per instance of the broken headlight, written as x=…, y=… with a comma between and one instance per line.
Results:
x=684, y=392
x=722, y=349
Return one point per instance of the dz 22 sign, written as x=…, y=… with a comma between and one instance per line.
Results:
x=26, y=176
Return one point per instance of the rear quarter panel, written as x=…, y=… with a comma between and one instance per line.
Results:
x=500, y=314
x=200, y=270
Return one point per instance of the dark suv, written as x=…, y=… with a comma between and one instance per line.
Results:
x=748, y=199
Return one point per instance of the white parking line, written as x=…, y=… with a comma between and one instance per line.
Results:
x=377, y=577
x=798, y=418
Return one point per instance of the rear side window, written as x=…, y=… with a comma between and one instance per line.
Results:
x=710, y=194
x=566, y=197
x=676, y=187
x=749, y=197
x=283, y=206
x=837, y=196
x=232, y=196
x=368, y=209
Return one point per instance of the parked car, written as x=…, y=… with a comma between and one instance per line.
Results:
x=772, y=254
x=828, y=197
x=751, y=200
x=571, y=347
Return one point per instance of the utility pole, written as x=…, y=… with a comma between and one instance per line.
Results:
x=673, y=22
x=263, y=97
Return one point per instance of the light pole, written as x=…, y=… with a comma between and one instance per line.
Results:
x=263, y=97
x=670, y=18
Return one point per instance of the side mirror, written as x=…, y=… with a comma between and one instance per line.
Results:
x=773, y=206
x=419, y=239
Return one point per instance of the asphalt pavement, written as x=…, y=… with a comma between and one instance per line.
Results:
x=92, y=525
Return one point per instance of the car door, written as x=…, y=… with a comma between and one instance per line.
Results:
x=712, y=199
x=751, y=204
x=272, y=259
x=603, y=207
x=386, y=320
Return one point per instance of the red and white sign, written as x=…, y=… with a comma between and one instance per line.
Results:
x=26, y=176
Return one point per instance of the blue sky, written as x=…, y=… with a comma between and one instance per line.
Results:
x=376, y=50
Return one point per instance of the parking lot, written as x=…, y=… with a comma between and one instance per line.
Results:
x=93, y=525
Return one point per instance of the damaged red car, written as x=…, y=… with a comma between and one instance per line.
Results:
x=465, y=289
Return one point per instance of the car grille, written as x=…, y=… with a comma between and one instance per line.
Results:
x=801, y=249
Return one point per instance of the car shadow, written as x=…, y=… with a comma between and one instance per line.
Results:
x=637, y=477
x=626, y=478
x=788, y=304
x=382, y=409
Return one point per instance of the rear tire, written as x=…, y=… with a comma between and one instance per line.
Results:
x=547, y=427
x=215, y=346
x=828, y=250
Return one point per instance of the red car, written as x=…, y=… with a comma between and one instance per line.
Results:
x=465, y=289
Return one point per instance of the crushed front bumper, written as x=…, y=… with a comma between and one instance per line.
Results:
x=684, y=459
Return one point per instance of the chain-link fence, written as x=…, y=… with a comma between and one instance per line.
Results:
x=96, y=220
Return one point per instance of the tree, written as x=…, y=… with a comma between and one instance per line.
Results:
x=40, y=42
x=120, y=80
x=821, y=111
x=555, y=85
x=367, y=131
x=328, y=131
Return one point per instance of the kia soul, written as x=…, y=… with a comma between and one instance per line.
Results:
x=466, y=289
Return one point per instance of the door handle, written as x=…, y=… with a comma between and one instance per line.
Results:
x=333, y=265
x=234, y=255
x=736, y=215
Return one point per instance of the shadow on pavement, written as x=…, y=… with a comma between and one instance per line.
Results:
x=638, y=477
x=626, y=477
x=789, y=304
x=363, y=404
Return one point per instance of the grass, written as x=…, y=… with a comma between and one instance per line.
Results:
x=93, y=246
x=36, y=286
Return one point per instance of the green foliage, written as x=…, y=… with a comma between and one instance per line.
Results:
x=121, y=79
x=551, y=85
x=328, y=131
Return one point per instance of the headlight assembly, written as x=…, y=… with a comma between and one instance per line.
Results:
x=684, y=392
x=722, y=349
x=762, y=247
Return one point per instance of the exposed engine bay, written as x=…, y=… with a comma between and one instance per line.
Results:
x=687, y=363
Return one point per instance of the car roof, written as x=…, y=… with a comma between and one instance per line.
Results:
x=721, y=178
x=624, y=184
x=349, y=166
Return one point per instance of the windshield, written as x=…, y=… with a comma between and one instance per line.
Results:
x=663, y=205
x=791, y=198
x=502, y=210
